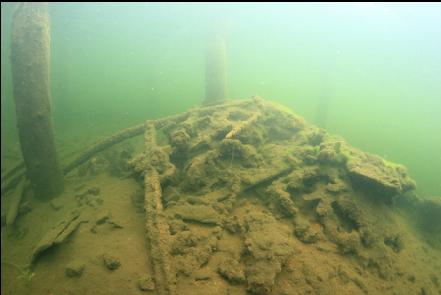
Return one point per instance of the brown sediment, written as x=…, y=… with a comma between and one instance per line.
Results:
x=30, y=63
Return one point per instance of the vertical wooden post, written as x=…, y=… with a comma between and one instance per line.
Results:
x=216, y=72
x=30, y=63
x=322, y=110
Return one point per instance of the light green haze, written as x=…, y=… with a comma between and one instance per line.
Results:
x=368, y=72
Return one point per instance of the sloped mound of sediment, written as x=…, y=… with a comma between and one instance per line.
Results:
x=248, y=197
x=239, y=198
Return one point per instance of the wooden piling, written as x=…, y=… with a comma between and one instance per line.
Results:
x=30, y=63
x=216, y=72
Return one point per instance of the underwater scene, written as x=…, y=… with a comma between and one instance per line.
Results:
x=220, y=148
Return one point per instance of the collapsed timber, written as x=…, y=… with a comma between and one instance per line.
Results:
x=12, y=177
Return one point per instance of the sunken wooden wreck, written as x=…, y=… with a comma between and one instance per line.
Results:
x=246, y=197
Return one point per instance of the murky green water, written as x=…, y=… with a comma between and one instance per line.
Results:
x=373, y=68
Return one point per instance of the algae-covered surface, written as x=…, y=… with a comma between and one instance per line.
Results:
x=242, y=198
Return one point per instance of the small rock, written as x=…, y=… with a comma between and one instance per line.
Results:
x=103, y=217
x=94, y=191
x=308, y=235
x=111, y=262
x=24, y=208
x=57, y=204
x=146, y=283
x=74, y=269
x=337, y=187
x=115, y=224
x=395, y=242
x=94, y=201
x=176, y=226
x=232, y=271
x=202, y=275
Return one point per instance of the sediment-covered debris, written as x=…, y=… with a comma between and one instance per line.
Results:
x=248, y=198
x=260, y=178
x=15, y=203
x=375, y=175
x=198, y=213
x=157, y=228
x=74, y=269
x=58, y=234
x=146, y=283
x=57, y=203
x=111, y=262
